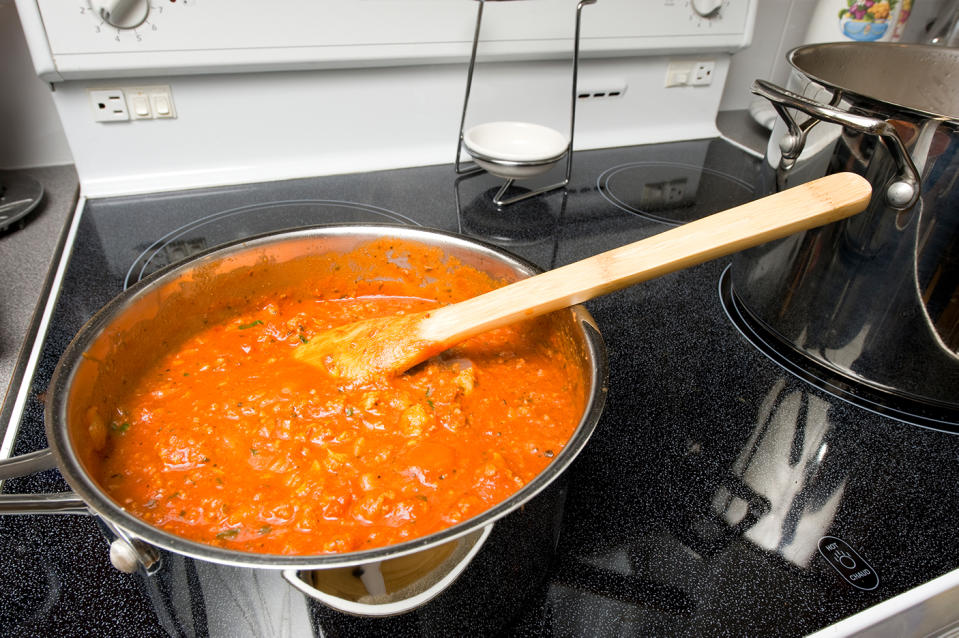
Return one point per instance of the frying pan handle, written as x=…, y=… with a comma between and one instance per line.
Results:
x=56, y=503
x=372, y=579
x=901, y=193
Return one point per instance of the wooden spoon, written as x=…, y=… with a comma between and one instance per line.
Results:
x=359, y=351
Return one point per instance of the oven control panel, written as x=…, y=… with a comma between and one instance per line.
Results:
x=76, y=39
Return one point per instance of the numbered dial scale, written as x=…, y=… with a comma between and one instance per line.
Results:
x=128, y=20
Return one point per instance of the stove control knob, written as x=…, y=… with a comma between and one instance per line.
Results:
x=707, y=8
x=123, y=14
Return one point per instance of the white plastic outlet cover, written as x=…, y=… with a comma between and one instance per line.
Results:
x=702, y=73
x=109, y=105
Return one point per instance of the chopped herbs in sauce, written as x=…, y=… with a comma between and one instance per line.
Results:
x=308, y=464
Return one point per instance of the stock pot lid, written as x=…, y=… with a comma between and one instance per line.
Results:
x=917, y=77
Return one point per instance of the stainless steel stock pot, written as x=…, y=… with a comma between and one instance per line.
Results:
x=122, y=338
x=873, y=299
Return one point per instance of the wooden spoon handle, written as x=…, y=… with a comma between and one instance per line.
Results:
x=815, y=203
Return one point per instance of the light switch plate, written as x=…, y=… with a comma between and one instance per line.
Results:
x=158, y=98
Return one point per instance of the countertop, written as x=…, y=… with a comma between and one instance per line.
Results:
x=740, y=129
x=27, y=251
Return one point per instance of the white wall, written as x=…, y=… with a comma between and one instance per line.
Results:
x=780, y=26
x=30, y=131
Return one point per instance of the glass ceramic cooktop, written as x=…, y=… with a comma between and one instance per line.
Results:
x=719, y=495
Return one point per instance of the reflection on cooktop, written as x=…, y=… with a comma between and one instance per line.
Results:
x=247, y=221
x=19, y=195
x=532, y=223
x=885, y=402
x=672, y=192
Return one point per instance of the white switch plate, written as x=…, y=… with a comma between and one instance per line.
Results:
x=159, y=100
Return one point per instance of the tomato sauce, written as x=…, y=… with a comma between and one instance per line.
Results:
x=228, y=440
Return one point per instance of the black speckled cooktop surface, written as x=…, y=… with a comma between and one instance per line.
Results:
x=719, y=495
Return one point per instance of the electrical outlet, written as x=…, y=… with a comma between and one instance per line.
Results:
x=109, y=105
x=702, y=74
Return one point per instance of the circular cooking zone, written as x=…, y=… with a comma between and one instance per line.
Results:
x=671, y=192
x=247, y=221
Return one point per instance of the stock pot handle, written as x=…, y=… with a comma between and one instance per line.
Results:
x=27, y=464
x=900, y=194
x=57, y=503
x=392, y=607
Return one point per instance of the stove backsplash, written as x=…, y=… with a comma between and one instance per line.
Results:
x=253, y=103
